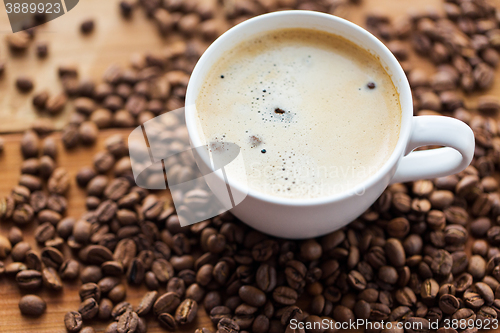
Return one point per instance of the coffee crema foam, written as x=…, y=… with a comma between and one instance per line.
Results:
x=301, y=105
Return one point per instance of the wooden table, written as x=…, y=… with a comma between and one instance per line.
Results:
x=113, y=41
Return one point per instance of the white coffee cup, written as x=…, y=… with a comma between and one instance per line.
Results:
x=305, y=218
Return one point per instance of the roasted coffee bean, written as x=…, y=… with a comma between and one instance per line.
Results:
x=204, y=275
x=167, y=321
x=186, y=311
x=73, y=321
x=295, y=273
x=136, y=271
x=69, y=270
x=120, y=309
x=56, y=242
x=417, y=324
x=23, y=214
x=58, y=182
x=32, y=305
x=442, y=262
x=216, y=243
x=485, y=292
x=44, y=232
x=29, y=279
x=379, y=312
x=49, y=148
x=118, y=293
x=406, y=297
x=5, y=247
x=18, y=42
x=356, y=280
x=51, y=279
x=106, y=284
x=429, y=289
x=163, y=270
x=343, y=314
x=52, y=257
x=87, y=329
x=69, y=136
x=252, y=295
x=47, y=166
x=477, y=267
x=221, y=274
x=177, y=286
x=226, y=325
x=112, y=268
x=125, y=251
x=49, y=216
x=219, y=312
x=103, y=162
x=463, y=282
x=152, y=206
x=15, y=267
x=285, y=295
x=90, y=290
x=166, y=303
x=112, y=328
x=84, y=176
x=147, y=303
x=449, y=303
x=460, y=262
x=265, y=277
x=24, y=84
x=362, y=309
x=81, y=231
x=116, y=189
x=97, y=254
x=88, y=308
x=30, y=143
x=15, y=235
x=65, y=227
x=91, y=274
x=211, y=300
x=388, y=274
x=463, y=314
x=33, y=183
x=38, y=201
x=20, y=194
x=105, y=308
x=106, y=211
x=128, y=322
x=33, y=260
x=472, y=299
x=87, y=132
x=151, y=281
x=30, y=166
x=400, y=313
x=310, y=250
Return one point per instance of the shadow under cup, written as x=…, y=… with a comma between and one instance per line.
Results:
x=301, y=218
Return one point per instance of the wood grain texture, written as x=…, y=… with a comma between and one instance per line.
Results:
x=113, y=41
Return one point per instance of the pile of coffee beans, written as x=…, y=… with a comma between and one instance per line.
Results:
x=425, y=251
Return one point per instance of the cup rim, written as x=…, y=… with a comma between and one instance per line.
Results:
x=386, y=57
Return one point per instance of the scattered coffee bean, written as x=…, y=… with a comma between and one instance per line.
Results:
x=73, y=321
x=87, y=26
x=32, y=305
x=24, y=84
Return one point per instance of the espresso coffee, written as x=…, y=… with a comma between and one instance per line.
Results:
x=313, y=113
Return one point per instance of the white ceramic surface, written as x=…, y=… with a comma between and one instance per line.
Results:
x=295, y=218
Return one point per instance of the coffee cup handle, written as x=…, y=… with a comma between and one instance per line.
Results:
x=457, y=139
